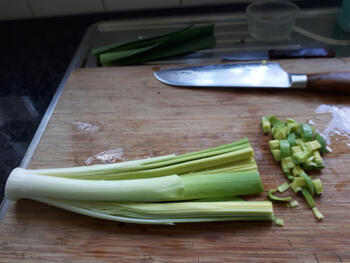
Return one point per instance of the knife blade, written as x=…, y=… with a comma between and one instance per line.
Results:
x=252, y=75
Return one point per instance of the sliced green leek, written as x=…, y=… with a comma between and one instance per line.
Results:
x=283, y=187
x=318, y=186
x=266, y=125
x=307, y=132
x=308, y=183
x=317, y=213
x=291, y=139
x=308, y=197
x=274, y=144
x=277, y=198
x=276, y=155
x=279, y=222
x=285, y=148
x=293, y=204
x=323, y=143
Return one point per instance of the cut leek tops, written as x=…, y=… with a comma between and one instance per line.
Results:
x=193, y=187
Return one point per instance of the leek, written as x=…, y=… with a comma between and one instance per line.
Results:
x=168, y=213
x=202, y=160
x=167, y=188
x=153, y=190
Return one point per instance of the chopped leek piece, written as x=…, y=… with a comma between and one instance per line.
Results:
x=301, y=157
x=295, y=188
x=308, y=197
x=273, y=120
x=317, y=213
x=292, y=127
x=283, y=187
x=308, y=183
x=280, y=133
x=297, y=170
x=293, y=203
x=290, y=120
x=279, y=222
x=299, y=142
x=313, y=145
x=291, y=139
x=289, y=176
x=318, y=158
x=297, y=183
x=306, y=132
x=286, y=170
x=285, y=148
x=318, y=186
x=266, y=125
x=276, y=155
x=323, y=143
x=277, y=126
x=296, y=149
x=288, y=162
x=274, y=144
x=277, y=198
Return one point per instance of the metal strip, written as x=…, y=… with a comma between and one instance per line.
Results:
x=76, y=62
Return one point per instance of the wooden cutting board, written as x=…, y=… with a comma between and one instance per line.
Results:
x=115, y=114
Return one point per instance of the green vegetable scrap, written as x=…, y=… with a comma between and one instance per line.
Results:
x=299, y=148
x=186, y=40
x=277, y=198
x=283, y=187
x=279, y=222
x=293, y=203
x=194, y=187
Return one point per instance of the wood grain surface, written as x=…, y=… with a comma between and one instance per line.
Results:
x=127, y=111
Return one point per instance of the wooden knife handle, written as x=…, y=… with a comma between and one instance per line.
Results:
x=301, y=53
x=335, y=82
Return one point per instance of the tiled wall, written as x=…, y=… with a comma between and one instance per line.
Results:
x=16, y=9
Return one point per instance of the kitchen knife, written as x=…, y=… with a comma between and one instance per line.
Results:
x=253, y=75
x=280, y=54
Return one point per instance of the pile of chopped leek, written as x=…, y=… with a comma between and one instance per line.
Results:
x=299, y=148
x=201, y=186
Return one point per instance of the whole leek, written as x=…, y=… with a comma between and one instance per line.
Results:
x=193, y=187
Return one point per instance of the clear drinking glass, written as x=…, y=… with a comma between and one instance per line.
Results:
x=271, y=20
